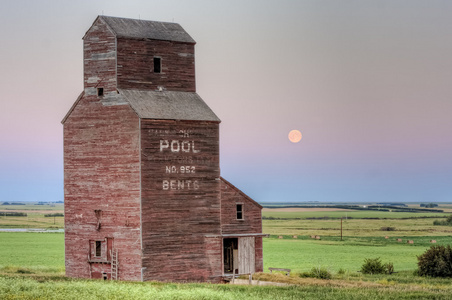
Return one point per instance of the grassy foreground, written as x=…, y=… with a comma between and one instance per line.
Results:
x=30, y=288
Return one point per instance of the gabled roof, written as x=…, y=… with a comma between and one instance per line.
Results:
x=141, y=29
x=159, y=105
x=240, y=192
x=168, y=105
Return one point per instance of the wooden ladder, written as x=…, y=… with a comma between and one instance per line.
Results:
x=114, y=265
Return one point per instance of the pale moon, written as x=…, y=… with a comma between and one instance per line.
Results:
x=295, y=136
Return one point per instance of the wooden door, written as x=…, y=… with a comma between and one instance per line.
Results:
x=246, y=255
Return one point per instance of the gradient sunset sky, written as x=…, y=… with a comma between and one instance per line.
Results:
x=368, y=83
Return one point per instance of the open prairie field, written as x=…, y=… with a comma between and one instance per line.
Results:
x=32, y=264
x=36, y=273
x=303, y=254
x=32, y=250
x=357, y=227
x=54, y=207
x=364, y=236
x=337, y=213
x=35, y=216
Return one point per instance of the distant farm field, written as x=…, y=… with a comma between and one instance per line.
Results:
x=335, y=213
x=36, y=216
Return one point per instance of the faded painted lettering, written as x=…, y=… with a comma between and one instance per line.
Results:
x=181, y=169
x=180, y=184
x=176, y=146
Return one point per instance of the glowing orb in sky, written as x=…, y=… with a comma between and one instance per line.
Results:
x=295, y=136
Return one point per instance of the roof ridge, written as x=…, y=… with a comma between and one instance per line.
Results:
x=146, y=29
x=132, y=19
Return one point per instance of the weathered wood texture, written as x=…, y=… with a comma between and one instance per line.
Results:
x=99, y=51
x=150, y=189
x=246, y=255
x=102, y=173
x=180, y=199
x=252, y=217
x=230, y=197
x=136, y=66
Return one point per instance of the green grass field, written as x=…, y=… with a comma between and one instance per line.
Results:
x=302, y=255
x=32, y=264
x=40, y=252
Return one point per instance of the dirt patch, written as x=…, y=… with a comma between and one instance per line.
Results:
x=305, y=209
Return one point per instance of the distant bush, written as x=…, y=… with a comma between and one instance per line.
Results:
x=13, y=214
x=375, y=266
x=12, y=203
x=387, y=229
x=436, y=262
x=54, y=215
x=428, y=205
x=448, y=222
x=389, y=268
x=321, y=273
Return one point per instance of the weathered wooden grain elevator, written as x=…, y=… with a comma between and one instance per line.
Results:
x=144, y=199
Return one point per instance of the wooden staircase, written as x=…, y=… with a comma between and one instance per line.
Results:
x=114, y=265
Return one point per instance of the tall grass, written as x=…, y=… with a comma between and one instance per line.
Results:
x=28, y=288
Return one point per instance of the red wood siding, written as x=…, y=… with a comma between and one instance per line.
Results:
x=150, y=189
x=102, y=172
x=99, y=51
x=259, y=254
x=252, y=219
x=180, y=200
x=136, y=66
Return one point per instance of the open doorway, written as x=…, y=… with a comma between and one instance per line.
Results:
x=230, y=255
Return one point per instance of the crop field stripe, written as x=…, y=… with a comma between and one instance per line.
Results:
x=32, y=249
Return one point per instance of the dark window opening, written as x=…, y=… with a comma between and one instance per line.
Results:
x=239, y=211
x=98, y=248
x=100, y=92
x=157, y=65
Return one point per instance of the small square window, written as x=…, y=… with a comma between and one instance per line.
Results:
x=100, y=92
x=157, y=65
x=98, y=248
x=239, y=211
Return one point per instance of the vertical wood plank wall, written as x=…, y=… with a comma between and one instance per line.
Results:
x=135, y=65
x=101, y=167
x=180, y=199
x=246, y=255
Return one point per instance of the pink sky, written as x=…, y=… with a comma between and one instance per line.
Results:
x=368, y=83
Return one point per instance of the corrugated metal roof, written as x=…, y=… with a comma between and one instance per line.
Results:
x=132, y=28
x=168, y=105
